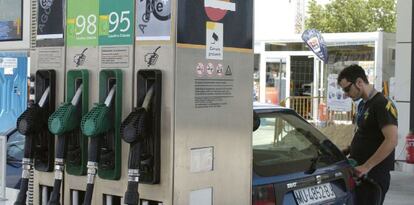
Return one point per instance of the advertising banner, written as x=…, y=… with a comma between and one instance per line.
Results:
x=50, y=19
x=153, y=20
x=313, y=38
x=214, y=22
x=337, y=101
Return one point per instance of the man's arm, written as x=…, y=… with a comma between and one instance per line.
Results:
x=390, y=142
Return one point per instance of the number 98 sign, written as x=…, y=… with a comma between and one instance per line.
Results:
x=106, y=22
x=82, y=23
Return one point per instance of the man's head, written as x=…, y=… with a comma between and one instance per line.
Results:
x=353, y=81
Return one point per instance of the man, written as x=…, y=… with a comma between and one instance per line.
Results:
x=375, y=138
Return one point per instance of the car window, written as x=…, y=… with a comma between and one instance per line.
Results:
x=284, y=143
x=15, y=149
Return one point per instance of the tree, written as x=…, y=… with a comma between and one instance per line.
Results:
x=352, y=16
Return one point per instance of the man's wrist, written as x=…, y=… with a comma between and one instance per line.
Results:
x=368, y=165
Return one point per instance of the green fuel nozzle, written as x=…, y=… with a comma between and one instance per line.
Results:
x=97, y=121
x=65, y=118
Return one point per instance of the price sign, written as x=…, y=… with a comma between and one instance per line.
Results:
x=116, y=25
x=82, y=23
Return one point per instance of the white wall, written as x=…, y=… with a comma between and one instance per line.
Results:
x=403, y=77
x=273, y=18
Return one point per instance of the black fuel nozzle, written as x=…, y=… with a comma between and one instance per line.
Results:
x=133, y=130
x=30, y=123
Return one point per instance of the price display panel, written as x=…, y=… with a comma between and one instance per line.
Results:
x=116, y=25
x=82, y=22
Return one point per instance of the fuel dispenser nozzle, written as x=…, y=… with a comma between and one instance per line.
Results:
x=62, y=122
x=133, y=129
x=30, y=123
x=94, y=125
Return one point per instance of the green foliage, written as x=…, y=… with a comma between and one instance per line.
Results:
x=352, y=16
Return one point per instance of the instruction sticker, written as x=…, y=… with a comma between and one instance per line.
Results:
x=214, y=38
x=9, y=63
x=202, y=159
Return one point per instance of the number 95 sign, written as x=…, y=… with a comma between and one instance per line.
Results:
x=104, y=22
x=116, y=22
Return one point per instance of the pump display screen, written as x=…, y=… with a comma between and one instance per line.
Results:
x=11, y=20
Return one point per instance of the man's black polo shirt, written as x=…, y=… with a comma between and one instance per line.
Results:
x=372, y=116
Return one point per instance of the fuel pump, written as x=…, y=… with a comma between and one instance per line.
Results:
x=33, y=124
x=141, y=130
x=65, y=124
x=101, y=125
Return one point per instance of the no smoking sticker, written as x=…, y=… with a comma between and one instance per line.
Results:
x=210, y=69
x=200, y=69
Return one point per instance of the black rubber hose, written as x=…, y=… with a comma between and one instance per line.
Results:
x=28, y=144
x=93, y=149
x=21, y=197
x=28, y=154
x=60, y=154
x=131, y=195
x=93, y=156
x=88, y=194
x=134, y=159
x=61, y=147
x=55, y=195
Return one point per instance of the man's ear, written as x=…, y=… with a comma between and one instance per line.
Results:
x=359, y=82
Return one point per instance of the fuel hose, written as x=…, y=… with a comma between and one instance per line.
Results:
x=30, y=123
x=62, y=122
x=94, y=125
x=133, y=130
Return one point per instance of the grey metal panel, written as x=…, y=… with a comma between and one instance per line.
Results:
x=225, y=125
x=165, y=63
x=47, y=178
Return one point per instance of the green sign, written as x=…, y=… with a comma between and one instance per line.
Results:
x=82, y=22
x=116, y=22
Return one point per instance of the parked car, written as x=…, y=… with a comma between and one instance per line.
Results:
x=15, y=151
x=294, y=163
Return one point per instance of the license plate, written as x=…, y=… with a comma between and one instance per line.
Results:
x=314, y=194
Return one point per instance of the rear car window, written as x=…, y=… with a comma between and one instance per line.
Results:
x=284, y=143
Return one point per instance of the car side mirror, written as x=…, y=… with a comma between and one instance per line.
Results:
x=256, y=121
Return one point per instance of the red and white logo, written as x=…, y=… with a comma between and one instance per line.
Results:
x=217, y=9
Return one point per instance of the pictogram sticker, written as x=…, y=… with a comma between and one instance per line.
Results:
x=200, y=69
x=210, y=69
x=214, y=44
x=228, y=71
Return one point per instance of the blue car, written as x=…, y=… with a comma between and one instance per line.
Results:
x=294, y=163
x=15, y=151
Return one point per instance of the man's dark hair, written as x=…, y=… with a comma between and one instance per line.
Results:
x=352, y=73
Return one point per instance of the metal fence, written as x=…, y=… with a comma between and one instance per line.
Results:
x=312, y=109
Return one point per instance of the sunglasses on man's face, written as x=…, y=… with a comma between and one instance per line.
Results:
x=347, y=88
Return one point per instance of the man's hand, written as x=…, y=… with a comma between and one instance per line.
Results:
x=362, y=170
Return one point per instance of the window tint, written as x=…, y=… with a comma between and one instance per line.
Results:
x=284, y=143
x=15, y=149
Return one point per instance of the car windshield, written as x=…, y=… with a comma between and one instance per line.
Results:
x=284, y=143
